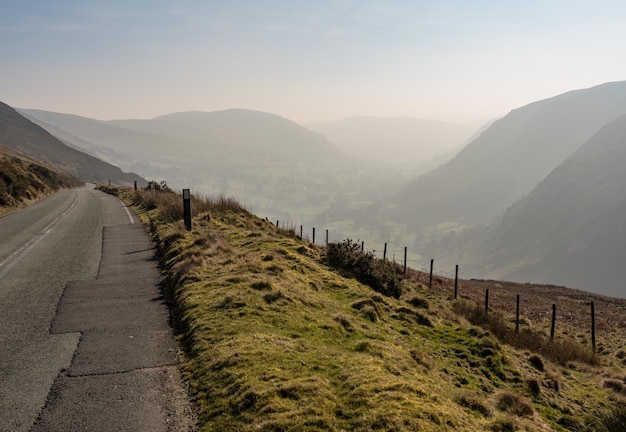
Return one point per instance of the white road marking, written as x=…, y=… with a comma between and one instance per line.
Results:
x=130, y=216
x=11, y=260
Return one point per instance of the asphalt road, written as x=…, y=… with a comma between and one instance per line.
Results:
x=84, y=337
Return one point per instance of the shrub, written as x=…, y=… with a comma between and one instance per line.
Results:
x=378, y=274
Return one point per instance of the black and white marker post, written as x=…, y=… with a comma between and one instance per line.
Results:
x=187, y=208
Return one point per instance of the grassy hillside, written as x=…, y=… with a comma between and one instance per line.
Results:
x=26, y=137
x=24, y=180
x=276, y=339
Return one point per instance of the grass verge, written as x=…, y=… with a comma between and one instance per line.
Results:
x=274, y=339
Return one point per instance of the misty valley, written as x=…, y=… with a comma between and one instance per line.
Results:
x=535, y=196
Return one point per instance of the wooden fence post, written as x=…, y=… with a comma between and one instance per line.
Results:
x=517, y=316
x=362, y=246
x=593, y=327
x=486, y=301
x=385, y=253
x=553, y=322
x=326, y=238
x=430, y=279
x=456, y=281
x=300, y=231
x=405, y=260
x=313, y=235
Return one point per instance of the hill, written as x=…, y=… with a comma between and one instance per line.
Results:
x=509, y=158
x=24, y=180
x=120, y=147
x=570, y=229
x=277, y=335
x=274, y=165
x=244, y=130
x=396, y=139
x=21, y=134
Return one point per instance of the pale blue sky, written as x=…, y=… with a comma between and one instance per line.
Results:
x=305, y=60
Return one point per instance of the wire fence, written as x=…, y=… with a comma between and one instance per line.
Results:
x=426, y=273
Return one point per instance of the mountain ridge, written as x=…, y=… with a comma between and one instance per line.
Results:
x=248, y=129
x=570, y=224
x=510, y=157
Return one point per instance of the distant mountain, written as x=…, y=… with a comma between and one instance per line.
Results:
x=186, y=140
x=247, y=130
x=571, y=229
x=21, y=134
x=128, y=149
x=270, y=163
x=395, y=139
x=509, y=159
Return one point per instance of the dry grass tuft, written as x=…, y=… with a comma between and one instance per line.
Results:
x=474, y=403
x=24, y=180
x=537, y=362
x=514, y=404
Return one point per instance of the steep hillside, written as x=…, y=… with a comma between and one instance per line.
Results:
x=570, y=230
x=277, y=338
x=509, y=158
x=395, y=139
x=24, y=180
x=21, y=134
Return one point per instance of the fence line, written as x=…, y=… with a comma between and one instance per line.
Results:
x=445, y=280
x=418, y=271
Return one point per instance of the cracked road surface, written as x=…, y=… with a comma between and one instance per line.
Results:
x=85, y=341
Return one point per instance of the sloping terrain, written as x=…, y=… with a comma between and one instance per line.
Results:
x=24, y=180
x=22, y=135
x=274, y=165
x=570, y=230
x=509, y=158
x=152, y=155
x=275, y=338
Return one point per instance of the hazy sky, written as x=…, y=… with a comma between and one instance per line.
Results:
x=302, y=59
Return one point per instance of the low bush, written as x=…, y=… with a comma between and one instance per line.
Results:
x=378, y=274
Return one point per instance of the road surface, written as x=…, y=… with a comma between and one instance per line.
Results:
x=84, y=337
